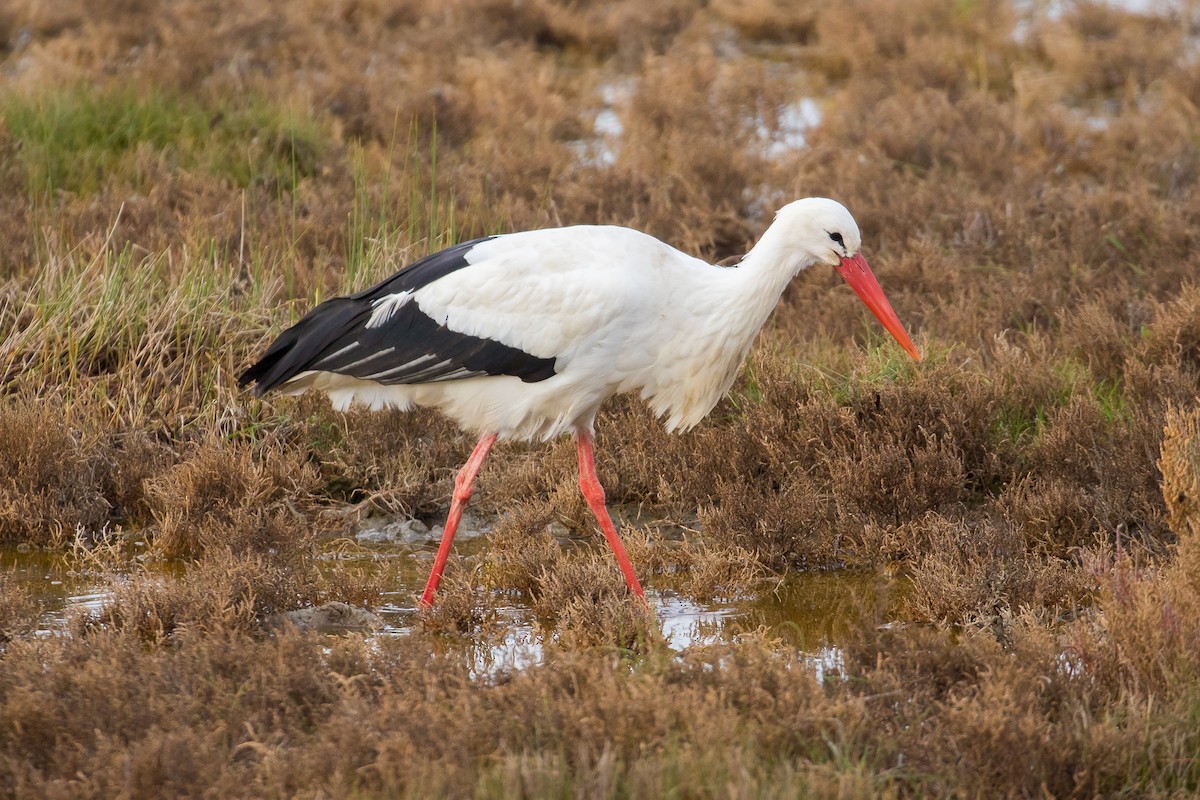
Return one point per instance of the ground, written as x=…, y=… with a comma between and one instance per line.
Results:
x=1013, y=522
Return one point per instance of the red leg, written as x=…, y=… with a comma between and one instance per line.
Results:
x=464, y=484
x=593, y=492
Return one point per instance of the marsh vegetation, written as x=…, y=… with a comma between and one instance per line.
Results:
x=181, y=180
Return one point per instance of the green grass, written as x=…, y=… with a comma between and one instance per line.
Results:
x=115, y=317
x=393, y=207
x=886, y=362
x=1017, y=425
x=79, y=139
x=1114, y=405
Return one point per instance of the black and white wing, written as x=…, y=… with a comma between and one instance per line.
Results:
x=381, y=334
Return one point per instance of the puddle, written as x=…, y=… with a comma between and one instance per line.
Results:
x=600, y=149
x=1032, y=13
x=52, y=584
x=795, y=121
x=815, y=612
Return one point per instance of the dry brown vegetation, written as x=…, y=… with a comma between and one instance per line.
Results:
x=180, y=180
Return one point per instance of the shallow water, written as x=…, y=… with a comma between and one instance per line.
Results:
x=796, y=120
x=52, y=583
x=815, y=612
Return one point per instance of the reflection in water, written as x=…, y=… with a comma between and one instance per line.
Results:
x=814, y=612
x=54, y=586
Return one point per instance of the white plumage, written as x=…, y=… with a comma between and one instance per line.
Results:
x=525, y=335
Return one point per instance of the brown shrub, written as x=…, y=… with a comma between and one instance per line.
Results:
x=218, y=500
x=718, y=571
x=982, y=573
x=1011, y=706
x=1148, y=642
x=226, y=590
x=521, y=548
x=694, y=130
x=783, y=525
x=400, y=464
x=1173, y=337
x=136, y=459
x=640, y=464
x=19, y=610
x=15, y=230
x=621, y=623
x=1180, y=466
x=222, y=592
x=518, y=475
x=109, y=697
x=887, y=480
x=1152, y=388
x=463, y=606
x=590, y=578
x=400, y=716
x=1089, y=474
x=50, y=476
x=1108, y=51
x=577, y=592
x=770, y=20
x=1052, y=513
x=1098, y=336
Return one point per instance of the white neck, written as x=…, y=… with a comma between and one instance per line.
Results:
x=763, y=274
x=776, y=256
x=736, y=301
x=716, y=313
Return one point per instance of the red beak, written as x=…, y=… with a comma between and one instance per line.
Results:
x=858, y=275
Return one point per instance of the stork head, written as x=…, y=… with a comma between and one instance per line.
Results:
x=822, y=232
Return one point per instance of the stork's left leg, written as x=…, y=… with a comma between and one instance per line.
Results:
x=593, y=492
x=464, y=485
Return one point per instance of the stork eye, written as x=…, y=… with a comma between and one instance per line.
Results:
x=837, y=237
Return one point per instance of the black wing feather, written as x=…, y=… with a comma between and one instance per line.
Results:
x=410, y=347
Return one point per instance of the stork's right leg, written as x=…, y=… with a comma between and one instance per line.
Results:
x=464, y=484
x=593, y=492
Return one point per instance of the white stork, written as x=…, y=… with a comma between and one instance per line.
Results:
x=524, y=335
